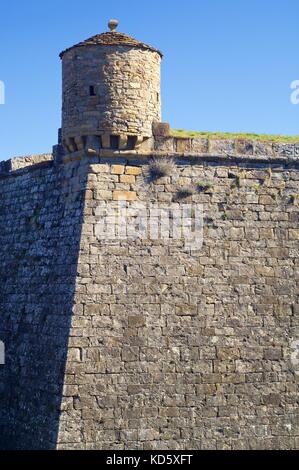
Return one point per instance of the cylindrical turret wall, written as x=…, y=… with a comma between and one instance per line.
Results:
x=111, y=96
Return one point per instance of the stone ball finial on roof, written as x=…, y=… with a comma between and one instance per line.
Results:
x=113, y=24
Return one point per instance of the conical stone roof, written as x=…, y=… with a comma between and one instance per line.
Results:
x=112, y=39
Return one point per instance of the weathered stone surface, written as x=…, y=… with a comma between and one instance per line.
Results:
x=161, y=129
x=124, y=195
x=127, y=179
x=109, y=90
x=200, y=145
x=133, y=170
x=122, y=342
x=19, y=163
x=139, y=334
x=226, y=147
x=117, y=170
x=40, y=223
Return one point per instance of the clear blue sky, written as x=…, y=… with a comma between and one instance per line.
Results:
x=228, y=63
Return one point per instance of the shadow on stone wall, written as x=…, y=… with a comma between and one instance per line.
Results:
x=40, y=227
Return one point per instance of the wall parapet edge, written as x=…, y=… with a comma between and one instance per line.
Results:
x=20, y=163
x=228, y=147
x=191, y=149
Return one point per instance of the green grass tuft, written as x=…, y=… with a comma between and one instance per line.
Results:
x=235, y=136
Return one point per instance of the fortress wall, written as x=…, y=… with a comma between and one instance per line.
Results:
x=188, y=350
x=155, y=347
x=40, y=223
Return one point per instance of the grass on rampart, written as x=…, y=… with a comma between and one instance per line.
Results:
x=235, y=136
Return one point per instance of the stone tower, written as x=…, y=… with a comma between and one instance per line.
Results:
x=184, y=338
x=111, y=93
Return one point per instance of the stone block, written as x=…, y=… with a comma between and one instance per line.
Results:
x=124, y=195
x=244, y=147
x=74, y=355
x=272, y=399
x=127, y=179
x=263, y=148
x=226, y=353
x=283, y=150
x=99, y=168
x=294, y=234
x=200, y=145
x=117, y=169
x=183, y=145
x=161, y=129
x=103, y=194
x=133, y=170
x=136, y=321
x=165, y=144
x=273, y=354
x=222, y=147
x=130, y=354
x=266, y=271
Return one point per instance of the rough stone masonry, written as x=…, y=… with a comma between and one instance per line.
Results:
x=140, y=343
